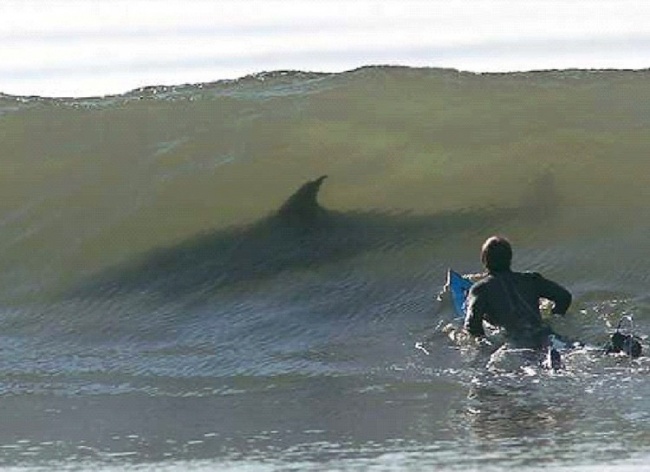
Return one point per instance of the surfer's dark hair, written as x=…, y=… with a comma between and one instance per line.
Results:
x=496, y=254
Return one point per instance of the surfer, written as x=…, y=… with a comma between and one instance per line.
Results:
x=510, y=300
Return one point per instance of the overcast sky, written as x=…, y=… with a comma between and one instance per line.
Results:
x=92, y=47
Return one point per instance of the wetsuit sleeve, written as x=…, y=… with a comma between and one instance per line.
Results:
x=474, y=313
x=559, y=295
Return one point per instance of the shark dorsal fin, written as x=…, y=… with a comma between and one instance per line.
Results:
x=303, y=204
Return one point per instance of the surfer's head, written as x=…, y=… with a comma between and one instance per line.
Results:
x=496, y=254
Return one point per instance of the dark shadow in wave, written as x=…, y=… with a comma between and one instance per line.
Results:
x=300, y=235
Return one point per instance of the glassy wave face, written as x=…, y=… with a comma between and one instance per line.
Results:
x=237, y=273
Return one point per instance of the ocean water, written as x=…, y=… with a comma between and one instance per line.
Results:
x=159, y=311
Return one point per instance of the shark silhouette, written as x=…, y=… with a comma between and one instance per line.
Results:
x=300, y=235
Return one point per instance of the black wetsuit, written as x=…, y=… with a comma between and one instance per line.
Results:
x=510, y=300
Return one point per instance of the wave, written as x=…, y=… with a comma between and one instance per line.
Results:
x=139, y=215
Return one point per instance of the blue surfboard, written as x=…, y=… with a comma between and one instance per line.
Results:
x=459, y=288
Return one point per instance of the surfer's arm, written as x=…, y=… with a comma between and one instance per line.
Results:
x=474, y=314
x=559, y=295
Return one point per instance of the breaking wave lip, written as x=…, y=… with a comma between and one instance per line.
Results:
x=301, y=78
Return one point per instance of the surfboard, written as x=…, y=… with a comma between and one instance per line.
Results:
x=459, y=288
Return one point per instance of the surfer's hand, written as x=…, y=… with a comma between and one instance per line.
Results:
x=475, y=277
